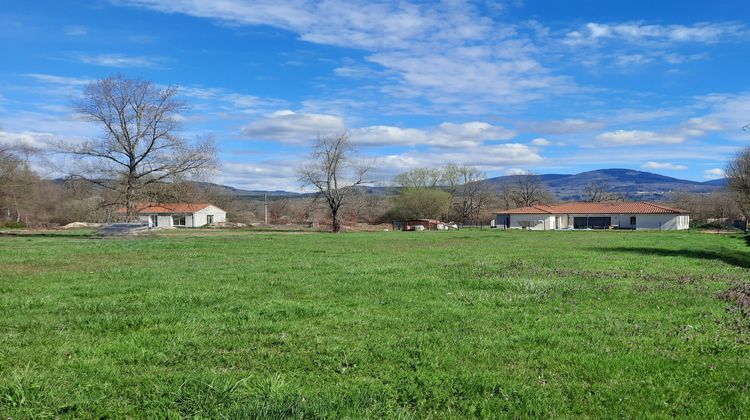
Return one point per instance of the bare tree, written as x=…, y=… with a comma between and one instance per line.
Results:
x=419, y=178
x=470, y=194
x=596, y=192
x=506, y=197
x=17, y=181
x=530, y=190
x=140, y=146
x=738, y=178
x=716, y=208
x=334, y=173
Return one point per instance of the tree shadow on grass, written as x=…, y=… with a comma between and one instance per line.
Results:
x=26, y=234
x=739, y=259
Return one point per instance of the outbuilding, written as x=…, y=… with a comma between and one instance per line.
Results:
x=606, y=215
x=426, y=224
x=180, y=214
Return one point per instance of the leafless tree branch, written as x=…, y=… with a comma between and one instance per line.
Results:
x=334, y=173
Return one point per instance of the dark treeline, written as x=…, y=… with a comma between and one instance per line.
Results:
x=27, y=199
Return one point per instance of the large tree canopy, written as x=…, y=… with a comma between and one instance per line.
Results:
x=140, y=145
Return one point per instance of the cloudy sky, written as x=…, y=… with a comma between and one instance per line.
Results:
x=551, y=86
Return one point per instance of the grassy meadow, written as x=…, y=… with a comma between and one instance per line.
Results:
x=389, y=324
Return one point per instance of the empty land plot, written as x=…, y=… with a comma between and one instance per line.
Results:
x=440, y=324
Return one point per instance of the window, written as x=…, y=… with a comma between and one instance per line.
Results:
x=178, y=220
x=209, y=219
x=632, y=220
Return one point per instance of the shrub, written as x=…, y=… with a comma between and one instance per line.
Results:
x=12, y=225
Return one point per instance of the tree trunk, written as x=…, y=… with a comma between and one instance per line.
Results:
x=335, y=224
x=18, y=210
x=130, y=198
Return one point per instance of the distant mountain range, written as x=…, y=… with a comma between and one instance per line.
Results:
x=631, y=184
x=249, y=193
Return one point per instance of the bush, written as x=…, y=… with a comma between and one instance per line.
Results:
x=12, y=225
x=712, y=225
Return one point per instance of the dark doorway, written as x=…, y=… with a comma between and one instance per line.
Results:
x=600, y=222
x=592, y=222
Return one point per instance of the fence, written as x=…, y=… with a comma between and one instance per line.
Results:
x=399, y=225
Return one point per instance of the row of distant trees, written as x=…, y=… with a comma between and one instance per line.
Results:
x=452, y=193
x=140, y=157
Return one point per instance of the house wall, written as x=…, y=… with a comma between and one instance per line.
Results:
x=643, y=221
x=538, y=221
x=165, y=220
x=662, y=221
x=220, y=216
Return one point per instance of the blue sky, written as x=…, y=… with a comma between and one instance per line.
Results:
x=549, y=86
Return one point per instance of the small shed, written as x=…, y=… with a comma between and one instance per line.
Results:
x=427, y=224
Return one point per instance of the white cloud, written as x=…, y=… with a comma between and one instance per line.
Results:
x=75, y=30
x=637, y=32
x=727, y=113
x=565, y=126
x=122, y=61
x=714, y=173
x=625, y=60
x=468, y=134
x=31, y=139
x=445, y=135
x=515, y=171
x=58, y=80
x=226, y=103
x=261, y=175
x=445, y=52
x=292, y=127
x=487, y=158
x=663, y=165
x=696, y=127
x=634, y=137
x=295, y=127
x=632, y=44
x=383, y=135
x=540, y=141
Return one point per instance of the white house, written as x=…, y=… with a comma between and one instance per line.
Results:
x=180, y=214
x=638, y=215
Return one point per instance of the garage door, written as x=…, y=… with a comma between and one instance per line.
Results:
x=591, y=222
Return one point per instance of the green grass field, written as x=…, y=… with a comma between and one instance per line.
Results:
x=430, y=324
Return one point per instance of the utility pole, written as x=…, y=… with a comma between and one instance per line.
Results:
x=265, y=207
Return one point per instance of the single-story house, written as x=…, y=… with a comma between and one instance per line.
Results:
x=606, y=215
x=180, y=214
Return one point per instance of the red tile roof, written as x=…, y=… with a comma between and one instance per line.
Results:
x=596, y=208
x=167, y=208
